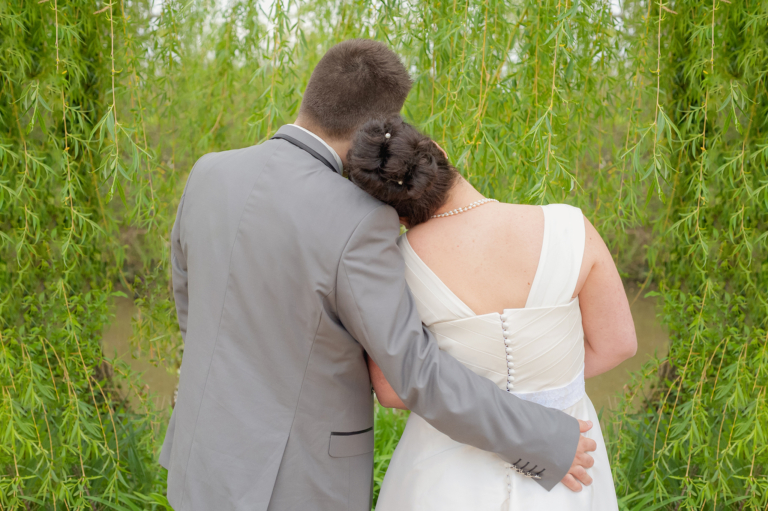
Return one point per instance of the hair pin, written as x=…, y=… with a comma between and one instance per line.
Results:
x=387, y=135
x=400, y=183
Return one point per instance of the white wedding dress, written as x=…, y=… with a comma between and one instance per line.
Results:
x=537, y=353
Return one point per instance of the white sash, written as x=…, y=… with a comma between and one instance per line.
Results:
x=559, y=398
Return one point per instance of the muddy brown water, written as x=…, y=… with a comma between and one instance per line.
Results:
x=116, y=342
x=604, y=390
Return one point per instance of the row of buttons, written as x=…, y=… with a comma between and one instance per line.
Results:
x=510, y=384
x=527, y=473
x=508, y=349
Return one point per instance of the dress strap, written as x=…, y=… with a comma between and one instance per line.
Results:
x=562, y=252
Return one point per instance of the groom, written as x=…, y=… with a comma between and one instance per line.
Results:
x=284, y=275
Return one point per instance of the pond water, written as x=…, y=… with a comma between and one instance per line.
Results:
x=116, y=343
x=603, y=390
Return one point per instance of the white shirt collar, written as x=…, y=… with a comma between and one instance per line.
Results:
x=333, y=152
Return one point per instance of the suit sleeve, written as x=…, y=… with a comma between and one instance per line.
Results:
x=179, y=272
x=179, y=261
x=375, y=305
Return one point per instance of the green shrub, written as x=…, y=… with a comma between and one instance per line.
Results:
x=652, y=117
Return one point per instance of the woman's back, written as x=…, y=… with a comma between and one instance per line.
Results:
x=536, y=347
x=489, y=258
x=523, y=331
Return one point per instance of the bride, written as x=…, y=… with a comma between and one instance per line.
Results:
x=527, y=296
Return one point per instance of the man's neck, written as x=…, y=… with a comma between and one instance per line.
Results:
x=341, y=146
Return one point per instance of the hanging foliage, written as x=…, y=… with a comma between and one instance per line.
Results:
x=650, y=116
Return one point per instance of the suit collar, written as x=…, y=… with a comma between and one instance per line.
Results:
x=313, y=141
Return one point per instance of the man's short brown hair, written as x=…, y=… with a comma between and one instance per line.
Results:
x=355, y=81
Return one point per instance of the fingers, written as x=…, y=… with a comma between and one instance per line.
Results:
x=571, y=483
x=586, y=444
x=577, y=475
x=580, y=473
x=584, y=460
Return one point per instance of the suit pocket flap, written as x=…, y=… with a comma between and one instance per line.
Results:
x=351, y=444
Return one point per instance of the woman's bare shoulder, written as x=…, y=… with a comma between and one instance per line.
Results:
x=504, y=216
x=595, y=253
x=522, y=212
x=521, y=220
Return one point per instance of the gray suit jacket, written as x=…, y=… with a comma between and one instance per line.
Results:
x=284, y=274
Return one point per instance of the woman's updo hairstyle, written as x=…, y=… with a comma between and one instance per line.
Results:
x=401, y=167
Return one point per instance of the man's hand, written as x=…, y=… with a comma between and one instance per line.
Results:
x=577, y=475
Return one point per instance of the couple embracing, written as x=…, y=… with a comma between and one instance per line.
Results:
x=296, y=294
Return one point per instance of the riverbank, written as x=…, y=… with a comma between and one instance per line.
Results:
x=603, y=390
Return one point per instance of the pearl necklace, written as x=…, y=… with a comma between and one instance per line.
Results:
x=465, y=208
